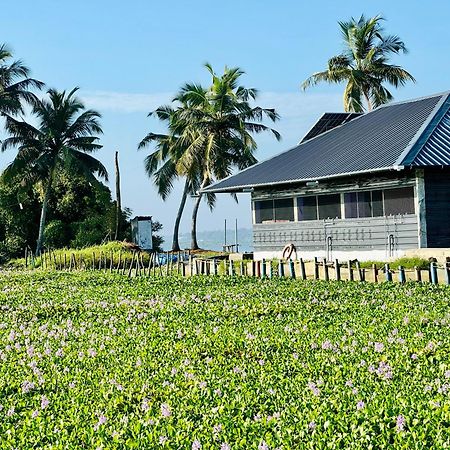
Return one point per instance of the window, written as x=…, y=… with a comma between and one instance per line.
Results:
x=279, y=210
x=351, y=205
x=363, y=204
x=399, y=201
x=307, y=208
x=264, y=211
x=284, y=209
x=329, y=206
x=377, y=203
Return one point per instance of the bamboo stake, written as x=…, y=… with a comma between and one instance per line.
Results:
x=337, y=270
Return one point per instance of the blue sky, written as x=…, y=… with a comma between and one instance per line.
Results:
x=130, y=57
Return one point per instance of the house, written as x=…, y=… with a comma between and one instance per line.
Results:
x=366, y=186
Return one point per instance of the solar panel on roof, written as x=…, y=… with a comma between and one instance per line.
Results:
x=327, y=122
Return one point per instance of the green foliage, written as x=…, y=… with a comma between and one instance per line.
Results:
x=407, y=263
x=364, y=65
x=92, y=360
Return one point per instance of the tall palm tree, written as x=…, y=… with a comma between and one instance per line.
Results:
x=15, y=84
x=364, y=65
x=219, y=126
x=161, y=164
x=63, y=139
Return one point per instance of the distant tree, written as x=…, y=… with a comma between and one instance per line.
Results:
x=15, y=84
x=364, y=65
x=157, y=240
x=63, y=139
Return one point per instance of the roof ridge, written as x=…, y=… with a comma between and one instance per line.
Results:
x=425, y=131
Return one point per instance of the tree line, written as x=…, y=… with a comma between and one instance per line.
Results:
x=210, y=133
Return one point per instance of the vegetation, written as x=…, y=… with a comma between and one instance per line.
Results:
x=209, y=134
x=64, y=139
x=95, y=360
x=364, y=65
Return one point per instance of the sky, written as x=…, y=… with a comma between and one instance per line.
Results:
x=130, y=57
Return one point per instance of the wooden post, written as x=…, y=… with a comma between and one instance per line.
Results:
x=178, y=262
x=26, y=257
x=231, y=268
x=183, y=269
x=269, y=269
x=316, y=269
x=401, y=275
x=241, y=268
x=325, y=270
x=447, y=273
x=337, y=270
x=418, y=274
x=191, y=266
x=433, y=272
x=350, y=271
x=70, y=263
x=119, y=261
x=253, y=268
x=280, y=268
x=263, y=268
x=258, y=269
x=375, y=273
x=303, y=269
x=359, y=272
x=131, y=265
x=387, y=272
x=291, y=268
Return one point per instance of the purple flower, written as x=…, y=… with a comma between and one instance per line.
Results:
x=165, y=410
x=35, y=413
x=312, y=425
x=196, y=445
x=379, y=347
x=44, y=402
x=225, y=446
x=360, y=405
x=11, y=411
x=162, y=439
x=414, y=356
x=400, y=425
x=263, y=446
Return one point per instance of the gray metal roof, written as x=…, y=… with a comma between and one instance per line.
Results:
x=413, y=133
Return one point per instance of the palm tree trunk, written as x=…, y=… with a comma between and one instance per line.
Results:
x=175, y=244
x=44, y=214
x=194, y=244
x=118, y=202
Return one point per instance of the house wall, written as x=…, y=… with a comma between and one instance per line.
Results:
x=437, y=207
x=363, y=238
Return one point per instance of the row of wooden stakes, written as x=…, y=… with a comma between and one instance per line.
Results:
x=184, y=264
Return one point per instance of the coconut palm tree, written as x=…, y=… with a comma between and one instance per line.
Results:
x=15, y=84
x=63, y=139
x=364, y=65
x=219, y=126
x=161, y=164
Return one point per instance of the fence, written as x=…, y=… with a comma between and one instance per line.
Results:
x=184, y=264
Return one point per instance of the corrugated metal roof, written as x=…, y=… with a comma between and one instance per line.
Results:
x=379, y=140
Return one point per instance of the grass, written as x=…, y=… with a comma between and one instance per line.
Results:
x=98, y=360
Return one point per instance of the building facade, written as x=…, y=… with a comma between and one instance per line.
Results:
x=372, y=187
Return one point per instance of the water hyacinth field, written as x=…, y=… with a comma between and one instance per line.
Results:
x=98, y=360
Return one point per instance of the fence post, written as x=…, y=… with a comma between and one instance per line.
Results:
x=253, y=272
x=316, y=269
x=433, y=273
x=418, y=274
x=263, y=268
x=231, y=268
x=447, y=272
x=258, y=269
x=401, y=274
x=337, y=270
x=302, y=269
x=350, y=271
x=387, y=272
x=280, y=268
x=183, y=269
x=291, y=268
x=270, y=269
x=375, y=273
x=360, y=273
x=325, y=270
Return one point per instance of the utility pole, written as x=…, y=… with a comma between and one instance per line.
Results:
x=118, y=202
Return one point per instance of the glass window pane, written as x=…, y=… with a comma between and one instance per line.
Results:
x=284, y=209
x=364, y=207
x=399, y=201
x=264, y=211
x=329, y=206
x=307, y=208
x=351, y=205
x=377, y=203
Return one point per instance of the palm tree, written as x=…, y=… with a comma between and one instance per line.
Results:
x=15, y=84
x=161, y=164
x=364, y=65
x=219, y=123
x=63, y=139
